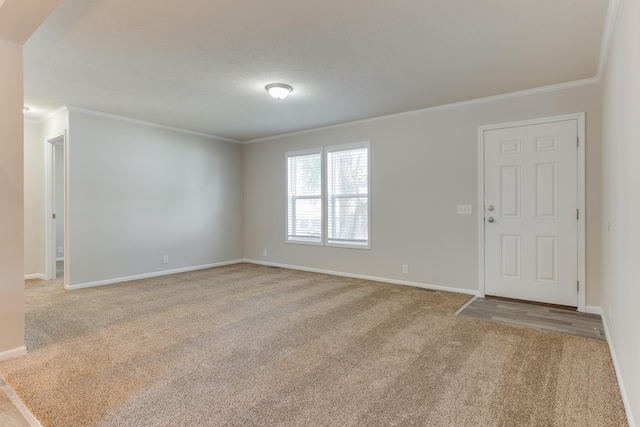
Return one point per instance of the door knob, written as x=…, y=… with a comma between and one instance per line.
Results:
x=490, y=219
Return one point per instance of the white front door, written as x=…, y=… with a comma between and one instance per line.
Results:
x=530, y=212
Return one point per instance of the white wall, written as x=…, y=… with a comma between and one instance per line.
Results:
x=138, y=192
x=621, y=203
x=12, y=206
x=422, y=166
x=53, y=125
x=33, y=201
x=35, y=135
x=59, y=198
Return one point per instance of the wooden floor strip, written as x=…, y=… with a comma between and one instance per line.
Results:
x=547, y=318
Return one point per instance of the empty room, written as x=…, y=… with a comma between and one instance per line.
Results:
x=364, y=213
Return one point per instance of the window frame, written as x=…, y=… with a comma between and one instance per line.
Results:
x=345, y=147
x=324, y=195
x=298, y=153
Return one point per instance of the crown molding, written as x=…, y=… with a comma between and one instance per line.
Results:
x=151, y=124
x=607, y=35
x=52, y=114
x=494, y=98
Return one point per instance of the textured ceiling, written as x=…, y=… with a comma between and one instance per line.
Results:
x=202, y=64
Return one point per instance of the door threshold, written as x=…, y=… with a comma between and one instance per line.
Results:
x=542, y=304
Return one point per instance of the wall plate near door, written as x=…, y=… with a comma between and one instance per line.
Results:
x=465, y=210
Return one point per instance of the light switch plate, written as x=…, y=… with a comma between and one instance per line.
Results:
x=465, y=210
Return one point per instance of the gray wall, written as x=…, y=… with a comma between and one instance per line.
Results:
x=422, y=165
x=140, y=192
x=621, y=203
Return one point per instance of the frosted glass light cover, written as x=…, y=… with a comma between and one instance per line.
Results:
x=279, y=90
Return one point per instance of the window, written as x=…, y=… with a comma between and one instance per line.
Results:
x=348, y=196
x=304, y=218
x=342, y=197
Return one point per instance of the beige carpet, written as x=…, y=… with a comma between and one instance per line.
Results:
x=250, y=345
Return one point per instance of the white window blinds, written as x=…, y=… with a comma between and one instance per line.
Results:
x=348, y=195
x=304, y=217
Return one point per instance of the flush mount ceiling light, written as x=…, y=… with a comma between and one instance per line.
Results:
x=278, y=90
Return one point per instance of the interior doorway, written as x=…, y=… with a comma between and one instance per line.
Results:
x=56, y=266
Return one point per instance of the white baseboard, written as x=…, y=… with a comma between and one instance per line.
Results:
x=15, y=352
x=35, y=276
x=591, y=309
x=360, y=276
x=19, y=404
x=616, y=366
x=148, y=275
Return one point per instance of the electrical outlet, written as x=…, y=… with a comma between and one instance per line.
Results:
x=60, y=249
x=608, y=225
x=264, y=252
x=405, y=269
x=165, y=259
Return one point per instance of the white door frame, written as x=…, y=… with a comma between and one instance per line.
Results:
x=580, y=118
x=49, y=192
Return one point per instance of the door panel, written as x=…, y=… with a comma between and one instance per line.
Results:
x=510, y=189
x=547, y=259
x=510, y=251
x=547, y=190
x=531, y=195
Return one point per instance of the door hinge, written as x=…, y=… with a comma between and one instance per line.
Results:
x=578, y=286
x=54, y=216
x=577, y=213
x=577, y=141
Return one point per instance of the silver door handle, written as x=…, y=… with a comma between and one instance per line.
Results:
x=490, y=219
